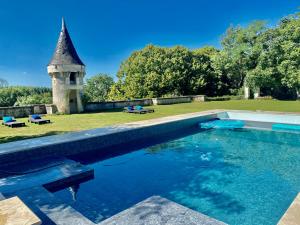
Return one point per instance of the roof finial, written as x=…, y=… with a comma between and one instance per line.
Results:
x=63, y=24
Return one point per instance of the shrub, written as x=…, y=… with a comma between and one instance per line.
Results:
x=97, y=88
x=9, y=95
x=44, y=98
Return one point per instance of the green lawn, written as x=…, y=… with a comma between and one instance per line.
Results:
x=77, y=122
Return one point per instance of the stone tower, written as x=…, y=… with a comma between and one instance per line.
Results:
x=67, y=71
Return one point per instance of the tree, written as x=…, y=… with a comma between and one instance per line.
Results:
x=98, y=87
x=44, y=98
x=9, y=95
x=239, y=54
x=205, y=79
x=256, y=56
x=278, y=66
x=3, y=83
x=156, y=71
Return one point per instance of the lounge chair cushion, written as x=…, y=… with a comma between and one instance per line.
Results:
x=36, y=117
x=8, y=119
x=138, y=107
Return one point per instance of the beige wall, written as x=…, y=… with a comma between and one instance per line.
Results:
x=22, y=111
x=62, y=89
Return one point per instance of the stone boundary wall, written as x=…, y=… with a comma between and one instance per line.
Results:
x=171, y=100
x=25, y=111
x=22, y=111
x=100, y=106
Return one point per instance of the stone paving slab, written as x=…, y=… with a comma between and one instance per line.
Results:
x=157, y=211
x=14, y=212
x=292, y=215
x=44, y=203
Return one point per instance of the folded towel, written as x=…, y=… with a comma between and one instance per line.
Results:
x=35, y=116
x=138, y=107
x=8, y=119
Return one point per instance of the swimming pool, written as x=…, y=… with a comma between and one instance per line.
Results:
x=239, y=176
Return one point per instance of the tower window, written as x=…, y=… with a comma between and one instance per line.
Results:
x=73, y=78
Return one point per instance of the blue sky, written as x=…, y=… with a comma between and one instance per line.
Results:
x=104, y=32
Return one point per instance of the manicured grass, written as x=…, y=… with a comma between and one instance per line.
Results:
x=77, y=122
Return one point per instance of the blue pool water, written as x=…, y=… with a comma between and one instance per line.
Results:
x=236, y=176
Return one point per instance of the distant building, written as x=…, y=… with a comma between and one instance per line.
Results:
x=67, y=71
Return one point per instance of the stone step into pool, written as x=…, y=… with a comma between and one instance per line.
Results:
x=52, y=173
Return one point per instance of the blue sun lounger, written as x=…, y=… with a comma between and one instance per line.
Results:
x=137, y=109
x=37, y=119
x=11, y=122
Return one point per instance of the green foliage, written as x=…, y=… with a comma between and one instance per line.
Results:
x=97, y=88
x=156, y=71
x=9, y=95
x=256, y=56
x=238, y=55
x=278, y=63
x=43, y=98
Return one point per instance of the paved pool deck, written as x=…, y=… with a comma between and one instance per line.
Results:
x=292, y=215
x=14, y=212
x=157, y=211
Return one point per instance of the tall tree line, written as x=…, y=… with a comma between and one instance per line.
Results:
x=256, y=56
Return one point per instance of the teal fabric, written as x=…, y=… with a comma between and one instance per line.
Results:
x=138, y=107
x=35, y=116
x=7, y=119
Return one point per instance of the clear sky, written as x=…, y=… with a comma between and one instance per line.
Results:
x=104, y=32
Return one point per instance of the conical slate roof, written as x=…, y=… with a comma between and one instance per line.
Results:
x=65, y=52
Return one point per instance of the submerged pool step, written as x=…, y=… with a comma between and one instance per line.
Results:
x=52, y=174
x=51, y=210
x=222, y=124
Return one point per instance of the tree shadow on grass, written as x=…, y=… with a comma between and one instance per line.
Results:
x=25, y=137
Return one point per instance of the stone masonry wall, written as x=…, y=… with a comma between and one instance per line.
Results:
x=100, y=106
x=25, y=111
x=22, y=111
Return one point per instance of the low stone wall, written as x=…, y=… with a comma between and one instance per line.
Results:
x=172, y=100
x=22, y=111
x=100, y=106
x=198, y=98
